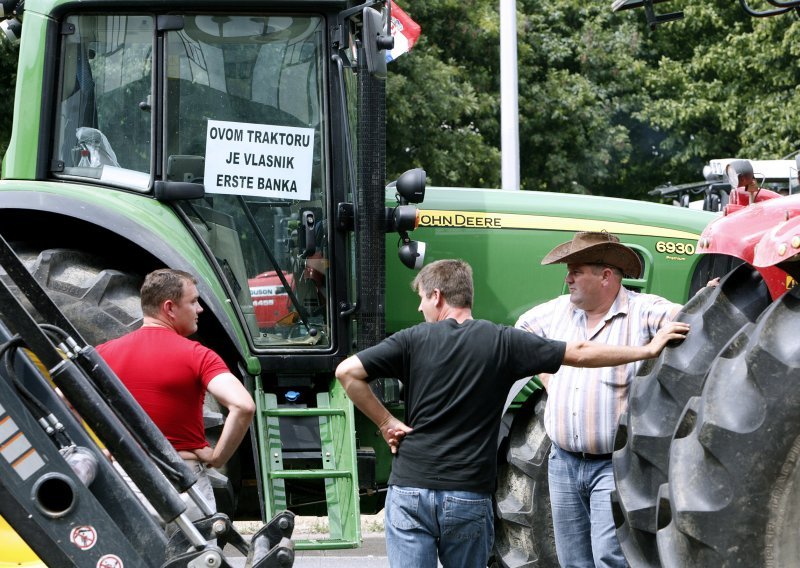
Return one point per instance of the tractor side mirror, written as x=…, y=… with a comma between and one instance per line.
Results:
x=376, y=40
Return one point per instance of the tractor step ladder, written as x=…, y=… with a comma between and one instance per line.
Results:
x=339, y=465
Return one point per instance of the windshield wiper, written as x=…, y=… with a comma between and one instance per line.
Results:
x=312, y=331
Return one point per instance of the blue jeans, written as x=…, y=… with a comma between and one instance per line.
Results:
x=421, y=523
x=580, y=495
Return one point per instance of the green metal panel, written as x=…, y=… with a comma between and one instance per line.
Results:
x=20, y=159
x=504, y=236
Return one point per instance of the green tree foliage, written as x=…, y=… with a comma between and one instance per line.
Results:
x=443, y=101
x=576, y=72
x=725, y=84
x=579, y=74
x=606, y=105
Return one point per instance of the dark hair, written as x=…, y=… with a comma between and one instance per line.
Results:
x=162, y=285
x=452, y=277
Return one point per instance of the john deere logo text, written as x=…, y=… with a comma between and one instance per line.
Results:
x=458, y=220
x=506, y=221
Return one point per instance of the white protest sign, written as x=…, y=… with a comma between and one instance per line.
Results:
x=259, y=159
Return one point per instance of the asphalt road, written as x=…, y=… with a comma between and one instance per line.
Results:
x=372, y=554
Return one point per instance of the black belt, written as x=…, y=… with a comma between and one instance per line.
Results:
x=585, y=456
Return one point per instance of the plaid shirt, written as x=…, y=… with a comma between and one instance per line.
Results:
x=584, y=405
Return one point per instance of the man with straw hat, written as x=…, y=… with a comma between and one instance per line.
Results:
x=584, y=405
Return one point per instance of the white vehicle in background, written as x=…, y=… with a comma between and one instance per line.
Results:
x=712, y=193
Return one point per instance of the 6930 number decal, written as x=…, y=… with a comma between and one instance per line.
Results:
x=670, y=247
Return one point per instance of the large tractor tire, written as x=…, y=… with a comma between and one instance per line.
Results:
x=100, y=302
x=641, y=456
x=524, y=528
x=733, y=497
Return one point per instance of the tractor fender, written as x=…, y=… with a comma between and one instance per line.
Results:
x=740, y=233
x=779, y=245
x=175, y=253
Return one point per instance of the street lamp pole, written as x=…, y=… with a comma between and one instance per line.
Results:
x=509, y=108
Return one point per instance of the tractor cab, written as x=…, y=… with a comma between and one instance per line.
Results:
x=243, y=122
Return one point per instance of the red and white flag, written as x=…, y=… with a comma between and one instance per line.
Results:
x=405, y=32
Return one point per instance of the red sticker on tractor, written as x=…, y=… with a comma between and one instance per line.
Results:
x=110, y=561
x=84, y=537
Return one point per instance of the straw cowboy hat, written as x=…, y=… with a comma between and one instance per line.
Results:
x=596, y=248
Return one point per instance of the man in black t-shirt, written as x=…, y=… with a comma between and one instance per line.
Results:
x=457, y=372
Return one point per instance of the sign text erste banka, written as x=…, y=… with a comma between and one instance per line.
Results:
x=259, y=159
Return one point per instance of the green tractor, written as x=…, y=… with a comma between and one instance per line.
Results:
x=240, y=142
x=245, y=143
x=504, y=235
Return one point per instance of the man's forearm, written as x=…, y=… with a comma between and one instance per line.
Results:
x=366, y=401
x=233, y=432
x=353, y=377
x=590, y=354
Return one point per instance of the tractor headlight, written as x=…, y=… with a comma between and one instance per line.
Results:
x=412, y=253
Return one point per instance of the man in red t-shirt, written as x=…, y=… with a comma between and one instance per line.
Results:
x=169, y=375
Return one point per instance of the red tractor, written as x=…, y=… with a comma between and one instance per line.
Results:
x=706, y=458
x=270, y=296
